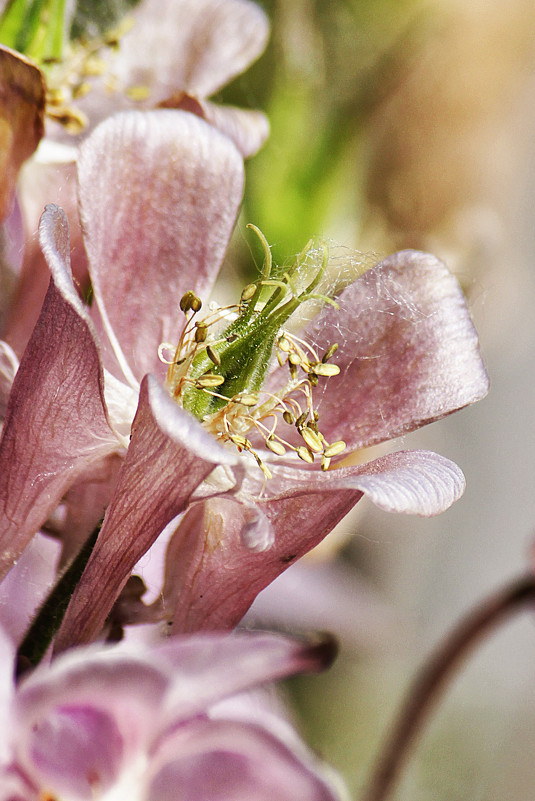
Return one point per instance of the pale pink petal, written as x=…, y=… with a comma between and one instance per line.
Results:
x=146, y=248
x=212, y=578
x=28, y=582
x=328, y=595
x=224, y=760
x=196, y=45
x=247, y=129
x=43, y=182
x=408, y=352
x=9, y=365
x=169, y=456
x=56, y=422
x=22, y=106
x=83, y=720
x=76, y=749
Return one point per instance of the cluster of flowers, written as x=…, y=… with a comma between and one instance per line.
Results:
x=218, y=445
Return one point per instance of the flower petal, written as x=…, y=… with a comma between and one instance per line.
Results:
x=408, y=352
x=169, y=456
x=146, y=248
x=28, y=582
x=56, y=422
x=212, y=578
x=43, y=181
x=202, y=45
x=247, y=129
x=230, y=759
x=22, y=106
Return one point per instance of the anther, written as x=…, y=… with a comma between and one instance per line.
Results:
x=327, y=370
x=246, y=399
x=312, y=440
x=189, y=301
x=213, y=355
x=284, y=345
x=275, y=446
x=305, y=454
x=325, y=462
x=301, y=420
x=288, y=417
x=201, y=332
x=327, y=355
x=334, y=449
x=209, y=380
x=248, y=293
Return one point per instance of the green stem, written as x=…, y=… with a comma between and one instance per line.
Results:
x=50, y=616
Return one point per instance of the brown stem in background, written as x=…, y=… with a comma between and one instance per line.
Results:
x=433, y=676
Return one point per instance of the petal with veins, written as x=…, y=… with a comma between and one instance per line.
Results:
x=407, y=350
x=146, y=248
x=212, y=579
x=56, y=422
x=169, y=456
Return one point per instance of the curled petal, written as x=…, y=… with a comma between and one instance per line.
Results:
x=201, y=47
x=146, y=248
x=212, y=579
x=42, y=181
x=407, y=350
x=169, y=456
x=22, y=107
x=56, y=421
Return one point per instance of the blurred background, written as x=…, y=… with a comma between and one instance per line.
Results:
x=404, y=123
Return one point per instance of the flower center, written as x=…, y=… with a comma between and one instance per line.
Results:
x=219, y=365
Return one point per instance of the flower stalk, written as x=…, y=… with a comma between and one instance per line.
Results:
x=433, y=678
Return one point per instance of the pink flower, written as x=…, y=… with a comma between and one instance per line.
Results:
x=131, y=722
x=178, y=52
x=159, y=193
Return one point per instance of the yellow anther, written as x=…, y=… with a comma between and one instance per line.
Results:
x=327, y=370
x=312, y=440
x=325, y=462
x=327, y=355
x=209, y=380
x=246, y=399
x=275, y=446
x=284, y=345
x=81, y=90
x=334, y=449
x=305, y=454
x=137, y=93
